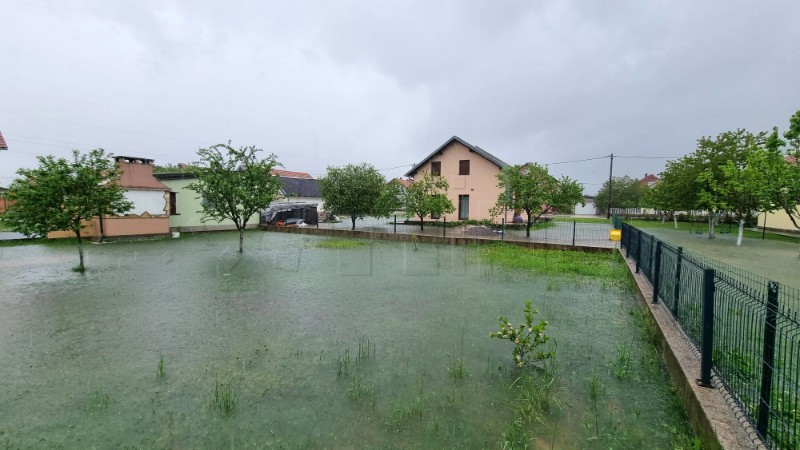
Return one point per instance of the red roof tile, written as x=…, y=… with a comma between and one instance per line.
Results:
x=290, y=174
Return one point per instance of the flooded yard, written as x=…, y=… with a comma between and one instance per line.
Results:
x=185, y=343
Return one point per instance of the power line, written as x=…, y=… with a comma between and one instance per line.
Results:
x=648, y=157
x=576, y=160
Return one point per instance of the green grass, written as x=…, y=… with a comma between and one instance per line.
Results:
x=161, y=369
x=582, y=219
x=225, y=397
x=702, y=227
x=340, y=243
x=554, y=262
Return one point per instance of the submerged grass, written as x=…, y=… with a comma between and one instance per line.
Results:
x=340, y=243
x=225, y=397
x=552, y=262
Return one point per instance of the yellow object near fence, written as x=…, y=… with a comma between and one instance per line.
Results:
x=615, y=235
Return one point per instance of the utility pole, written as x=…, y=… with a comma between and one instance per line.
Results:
x=610, y=172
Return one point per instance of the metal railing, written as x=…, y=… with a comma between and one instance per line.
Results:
x=562, y=231
x=745, y=327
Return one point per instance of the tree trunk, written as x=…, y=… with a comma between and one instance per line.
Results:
x=710, y=226
x=353, y=219
x=741, y=232
x=421, y=223
x=528, y=227
x=81, y=268
x=663, y=218
x=241, y=240
x=675, y=220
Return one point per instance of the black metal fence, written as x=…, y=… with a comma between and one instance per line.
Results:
x=745, y=327
x=564, y=231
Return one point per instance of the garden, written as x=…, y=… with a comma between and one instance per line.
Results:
x=309, y=342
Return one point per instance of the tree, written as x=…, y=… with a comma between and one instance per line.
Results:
x=626, y=192
x=426, y=196
x=783, y=171
x=725, y=182
x=234, y=184
x=61, y=195
x=357, y=191
x=531, y=188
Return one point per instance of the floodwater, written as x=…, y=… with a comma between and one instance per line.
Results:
x=282, y=324
x=775, y=260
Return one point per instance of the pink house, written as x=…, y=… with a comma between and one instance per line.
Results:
x=471, y=173
x=150, y=198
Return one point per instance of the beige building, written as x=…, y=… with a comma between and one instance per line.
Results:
x=471, y=173
x=777, y=221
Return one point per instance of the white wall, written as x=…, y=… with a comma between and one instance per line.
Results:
x=152, y=202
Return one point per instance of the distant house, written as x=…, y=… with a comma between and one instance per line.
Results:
x=186, y=205
x=298, y=187
x=149, y=215
x=649, y=180
x=3, y=145
x=471, y=173
x=589, y=209
x=3, y=199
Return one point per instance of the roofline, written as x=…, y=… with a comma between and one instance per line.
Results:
x=174, y=176
x=473, y=148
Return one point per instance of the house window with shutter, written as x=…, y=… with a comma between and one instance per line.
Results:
x=436, y=168
x=173, y=203
x=463, y=167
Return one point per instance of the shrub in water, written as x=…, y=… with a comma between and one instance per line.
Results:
x=526, y=338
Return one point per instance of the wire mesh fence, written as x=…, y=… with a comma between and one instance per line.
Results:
x=745, y=327
x=563, y=231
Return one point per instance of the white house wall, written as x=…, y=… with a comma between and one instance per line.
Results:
x=151, y=202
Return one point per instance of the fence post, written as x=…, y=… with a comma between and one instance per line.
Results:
x=573, y=232
x=626, y=238
x=707, y=342
x=444, y=225
x=769, y=358
x=677, y=294
x=638, y=255
x=503, y=234
x=657, y=272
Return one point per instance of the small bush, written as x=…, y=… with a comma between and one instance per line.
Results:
x=526, y=338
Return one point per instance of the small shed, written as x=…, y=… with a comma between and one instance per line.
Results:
x=291, y=212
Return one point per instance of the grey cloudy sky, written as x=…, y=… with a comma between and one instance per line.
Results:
x=335, y=82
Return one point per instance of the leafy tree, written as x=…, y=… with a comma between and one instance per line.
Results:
x=783, y=170
x=234, y=184
x=358, y=191
x=725, y=181
x=626, y=192
x=532, y=189
x=426, y=196
x=744, y=185
x=61, y=195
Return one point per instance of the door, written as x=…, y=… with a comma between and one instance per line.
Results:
x=463, y=207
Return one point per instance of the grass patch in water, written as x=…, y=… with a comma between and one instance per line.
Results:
x=340, y=243
x=554, y=262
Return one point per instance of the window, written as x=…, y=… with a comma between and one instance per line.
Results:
x=173, y=203
x=463, y=167
x=463, y=207
x=436, y=168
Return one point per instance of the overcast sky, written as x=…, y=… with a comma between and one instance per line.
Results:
x=336, y=82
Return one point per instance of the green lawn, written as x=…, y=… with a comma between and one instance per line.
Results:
x=702, y=227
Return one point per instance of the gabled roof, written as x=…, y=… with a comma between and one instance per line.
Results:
x=401, y=181
x=290, y=174
x=300, y=187
x=649, y=180
x=473, y=148
x=3, y=145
